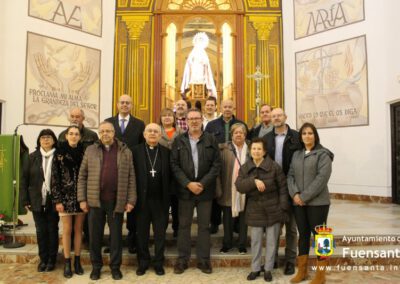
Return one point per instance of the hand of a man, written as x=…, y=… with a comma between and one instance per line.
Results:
x=260, y=185
x=84, y=206
x=195, y=187
x=129, y=207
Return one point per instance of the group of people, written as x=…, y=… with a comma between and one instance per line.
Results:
x=266, y=178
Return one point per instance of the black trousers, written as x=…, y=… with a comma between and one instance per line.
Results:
x=307, y=217
x=132, y=228
x=46, y=223
x=174, y=204
x=203, y=243
x=97, y=220
x=228, y=222
x=216, y=213
x=151, y=213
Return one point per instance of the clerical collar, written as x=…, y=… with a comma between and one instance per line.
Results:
x=151, y=147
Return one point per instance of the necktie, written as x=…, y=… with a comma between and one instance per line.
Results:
x=123, y=125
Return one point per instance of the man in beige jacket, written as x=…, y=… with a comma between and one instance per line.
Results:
x=106, y=189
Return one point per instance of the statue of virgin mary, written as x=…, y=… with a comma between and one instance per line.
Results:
x=198, y=68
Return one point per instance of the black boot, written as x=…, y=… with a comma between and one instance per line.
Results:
x=67, y=268
x=78, y=266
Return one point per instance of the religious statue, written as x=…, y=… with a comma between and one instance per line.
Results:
x=197, y=68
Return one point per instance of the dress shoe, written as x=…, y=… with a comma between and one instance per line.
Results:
x=180, y=267
x=41, y=267
x=253, y=275
x=213, y=229
x=205, y=267
x=141, y=270
x=159, y=270
x=77, y=265
x=224, y=249
x=106, y=250
x=116, y=274
x=267, y=276
x=50, y=266
x=95, y=274
x=242, y=250
x=289, y=268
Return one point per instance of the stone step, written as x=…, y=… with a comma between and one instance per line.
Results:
x=342, y=256
x=29, y=237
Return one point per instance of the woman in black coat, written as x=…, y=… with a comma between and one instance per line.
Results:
x=64, y=190
x=264, y=183
x=36, y=197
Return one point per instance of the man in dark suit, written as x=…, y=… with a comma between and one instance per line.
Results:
x=152, y=169
x=282, y=142
x=129, y=130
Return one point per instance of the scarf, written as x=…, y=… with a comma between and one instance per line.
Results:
x=238, y=199
x=47, y=160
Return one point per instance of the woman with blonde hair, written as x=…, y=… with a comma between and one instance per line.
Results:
x=234, y=154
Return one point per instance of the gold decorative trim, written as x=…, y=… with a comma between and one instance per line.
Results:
x=251, y=67
x=274, y=48
x=274, y=3
x=135, y=25
x=263, y=25
x=143, y=100
x=140, y=3
x=122, y=4
x=257, y=3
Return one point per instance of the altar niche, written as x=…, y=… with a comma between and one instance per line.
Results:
x=198, y=61
x=154, y=39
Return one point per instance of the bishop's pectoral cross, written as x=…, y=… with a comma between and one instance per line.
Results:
x=153, y=172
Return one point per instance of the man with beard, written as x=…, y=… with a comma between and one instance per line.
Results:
x=180, y=114
x=195, y=162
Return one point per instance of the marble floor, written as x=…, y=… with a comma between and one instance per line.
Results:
x=26, y=273
x=345, y=217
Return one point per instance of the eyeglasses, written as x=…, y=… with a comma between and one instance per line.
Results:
x=194, y=118
x=105, y=131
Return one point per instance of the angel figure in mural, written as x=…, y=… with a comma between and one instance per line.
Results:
x=198, y=69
